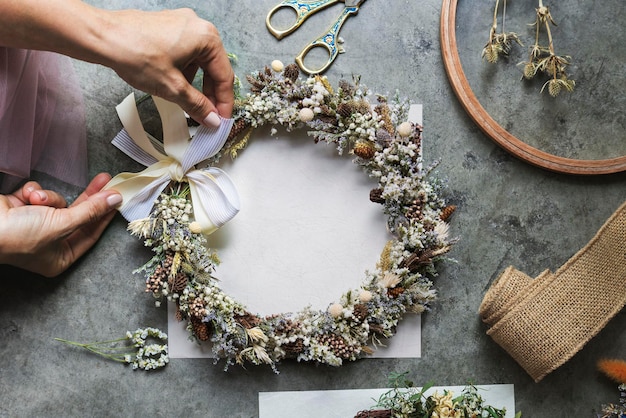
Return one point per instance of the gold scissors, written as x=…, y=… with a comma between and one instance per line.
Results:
x=304, y=9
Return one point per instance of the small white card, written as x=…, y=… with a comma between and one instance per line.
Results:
x=347, y=403
x=305, y=235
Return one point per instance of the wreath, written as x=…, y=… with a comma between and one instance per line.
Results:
x=388, y=147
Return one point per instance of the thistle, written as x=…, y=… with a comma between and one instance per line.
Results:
x=499, y=43
x=544, y=59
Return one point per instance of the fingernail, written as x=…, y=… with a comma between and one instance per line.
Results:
x=42, y=195
x=212, y=120
x=114, y=200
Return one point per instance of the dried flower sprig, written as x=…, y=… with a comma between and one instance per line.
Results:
x=388, y=148
x=615, y=369
x=404, y=400
x=131, y=349
x=544, y=59
x=615, y=410
x=500, y=43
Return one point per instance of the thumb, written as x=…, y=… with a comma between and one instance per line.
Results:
x=199, y=107
x=91, y=210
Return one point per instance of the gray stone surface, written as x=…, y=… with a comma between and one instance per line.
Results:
x=508, y=213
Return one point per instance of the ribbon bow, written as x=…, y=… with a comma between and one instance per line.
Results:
x=213, y=195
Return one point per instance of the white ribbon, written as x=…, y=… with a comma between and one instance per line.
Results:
x=213, y=195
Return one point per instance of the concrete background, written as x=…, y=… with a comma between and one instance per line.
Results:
x=509, y=213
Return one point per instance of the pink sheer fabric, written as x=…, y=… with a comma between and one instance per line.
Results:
x=42, y=118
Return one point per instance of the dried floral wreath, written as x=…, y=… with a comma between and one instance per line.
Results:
x=388, y=148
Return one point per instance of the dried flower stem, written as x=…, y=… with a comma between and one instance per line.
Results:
x=499, y=43
x=544, y=59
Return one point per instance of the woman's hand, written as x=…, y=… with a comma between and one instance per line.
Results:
x=157, y=52
x=160, y=53
x=40, y=234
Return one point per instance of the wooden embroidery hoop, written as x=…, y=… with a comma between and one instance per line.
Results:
x=491, y=128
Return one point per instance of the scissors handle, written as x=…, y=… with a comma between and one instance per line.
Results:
x=328, y=41
x=303, y=9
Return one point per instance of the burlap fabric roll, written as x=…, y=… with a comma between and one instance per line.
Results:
x=543, y=322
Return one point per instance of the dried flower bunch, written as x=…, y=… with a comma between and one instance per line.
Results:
x=388, y=148
x=132, y=349
x=499, y=43
x=616, y=371
x=406, y=401
x=542, y=58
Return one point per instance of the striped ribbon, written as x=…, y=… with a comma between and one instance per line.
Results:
x=213, y=195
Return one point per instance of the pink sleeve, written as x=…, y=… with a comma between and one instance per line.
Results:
x=42, y=118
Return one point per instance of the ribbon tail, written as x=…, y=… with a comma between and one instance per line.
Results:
x=214, y=197
x=139, y=191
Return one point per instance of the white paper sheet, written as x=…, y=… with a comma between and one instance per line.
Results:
x=306, y=234
x=347, y=403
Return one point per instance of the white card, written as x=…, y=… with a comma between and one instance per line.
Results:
x=347, y=403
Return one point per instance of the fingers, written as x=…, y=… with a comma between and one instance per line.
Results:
x=200, y=108
x=221, y=93
x=96, y=184
x=82, y=239
x=92, y=205
x=86, y=219
x=217, y=98
x=46, y=198
x=32, y=193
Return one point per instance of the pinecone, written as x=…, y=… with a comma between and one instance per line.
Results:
x=395, y=291
x=415, y=261
x=293, y=348
x=292, y=72
x=346, y=109
x=376, y=329
x=364, y=149
x=360, y=311
x=177, y=283
x=200, y=329
x=447, y=212
x=239, y=126
x=179, y=315
x=376, y=196
x=248, y=321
